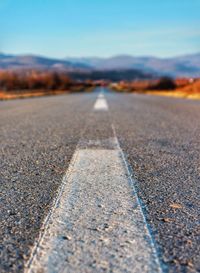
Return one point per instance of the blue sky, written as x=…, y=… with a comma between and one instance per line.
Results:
x=60, y=28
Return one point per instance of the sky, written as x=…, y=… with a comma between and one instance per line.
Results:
x=81, y=28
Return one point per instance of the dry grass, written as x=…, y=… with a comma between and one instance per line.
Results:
x=175, y=94
x=33, y=83
x=191, y=91
x=184, y=88
x=22, y=95
x=40, y=93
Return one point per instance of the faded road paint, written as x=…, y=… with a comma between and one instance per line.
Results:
x=97, y=224
x=101, y=104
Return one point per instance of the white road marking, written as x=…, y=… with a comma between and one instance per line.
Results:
x=97, y=223
x=101, y=96
x=101, y=104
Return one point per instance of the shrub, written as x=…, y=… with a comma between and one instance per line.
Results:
x=30, y=80
x=164, y=83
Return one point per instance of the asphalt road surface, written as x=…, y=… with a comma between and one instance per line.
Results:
x=118, y=175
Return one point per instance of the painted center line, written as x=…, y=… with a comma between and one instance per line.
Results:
x=101, y=103
x=101, y=96
x=97, y=224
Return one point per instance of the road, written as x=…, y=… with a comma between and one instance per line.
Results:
x=135, y=157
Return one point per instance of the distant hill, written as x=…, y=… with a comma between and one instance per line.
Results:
x=182, y=66
x=77, y=69
x=38, y=62
x=188, y=65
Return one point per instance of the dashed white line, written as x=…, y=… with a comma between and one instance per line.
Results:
x=96, y=223
x=101, y=103
x=101, y=96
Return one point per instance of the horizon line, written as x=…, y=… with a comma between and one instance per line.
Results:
x=98, y=57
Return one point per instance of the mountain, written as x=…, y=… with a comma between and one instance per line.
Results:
x=38, y=62
x=188, y=65
x=182, y=66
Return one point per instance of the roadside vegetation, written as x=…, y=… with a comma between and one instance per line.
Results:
x=182, y=87
x=30, y=83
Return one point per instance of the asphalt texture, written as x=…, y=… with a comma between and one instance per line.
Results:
x=160, y=138
x=38, y=139
x=97, y=225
